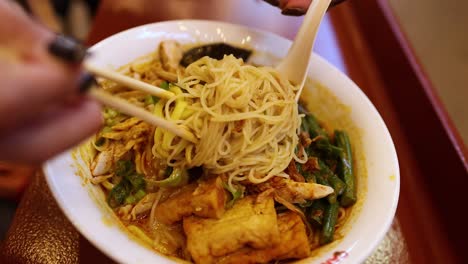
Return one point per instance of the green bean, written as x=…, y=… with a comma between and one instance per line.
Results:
x=346, y=168
x=337, y=184
x=333, y=180
x=330, y=218
x=316, y=212
x=177, y=177
x=311, y=125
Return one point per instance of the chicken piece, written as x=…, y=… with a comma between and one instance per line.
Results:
x=294, y=244
x=205, y=199
x=102, y=163
x=170, y=53
x=250, y=222
x=294, y=192
x=144, y=205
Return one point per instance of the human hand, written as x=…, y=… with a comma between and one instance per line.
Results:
x=295, y=7
x=41, y=110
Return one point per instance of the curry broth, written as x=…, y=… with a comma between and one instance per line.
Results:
x=319, y=101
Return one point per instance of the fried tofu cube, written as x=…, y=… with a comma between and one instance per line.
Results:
x=250, y=222
x=294, y=244
x=205, y=199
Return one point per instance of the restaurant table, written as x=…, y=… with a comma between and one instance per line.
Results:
x=352, y=40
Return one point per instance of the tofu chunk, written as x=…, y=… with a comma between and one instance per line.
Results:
x=294, y=244
x=250, y=222
x=204, y=199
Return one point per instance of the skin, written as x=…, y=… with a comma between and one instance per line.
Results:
x=41, y=111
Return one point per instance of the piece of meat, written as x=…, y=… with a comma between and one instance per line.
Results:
x=250, y=222
x=205, y=199
x=295, y=192
x=293, y=173
x=102, y=163
x=294, y=244
x=170, y=53
x=144, y=205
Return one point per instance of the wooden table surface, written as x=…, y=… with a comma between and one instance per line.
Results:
x=354, y=33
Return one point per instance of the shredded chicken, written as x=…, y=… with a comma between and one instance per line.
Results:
x=205, y=199
x=124, y=212
x=102, y=163
x=250, y=222
x=102, y=178
x=144, y=205
x=295, y=192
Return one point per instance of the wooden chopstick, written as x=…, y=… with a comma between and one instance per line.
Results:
x=133, y=110
x=127, y=81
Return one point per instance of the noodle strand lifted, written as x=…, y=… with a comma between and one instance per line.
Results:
x=246, y=119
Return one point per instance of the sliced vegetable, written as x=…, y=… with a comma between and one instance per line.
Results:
x=177, y=177
x=139, y=194
x=330, y=217
x=137, y=180
x=349, y=196
x=164, y=85
x=132, y=199
x=119, y=193
x=236, y=193
x=131, y=187
x=150, y=99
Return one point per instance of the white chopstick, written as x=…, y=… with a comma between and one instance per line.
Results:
x=133, y=110
x=127, y=81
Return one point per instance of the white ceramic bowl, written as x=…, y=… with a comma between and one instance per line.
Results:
x=84, y=205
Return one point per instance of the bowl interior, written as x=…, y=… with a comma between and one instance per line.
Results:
x=85, y=206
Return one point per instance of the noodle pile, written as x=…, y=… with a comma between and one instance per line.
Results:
x=246, y=119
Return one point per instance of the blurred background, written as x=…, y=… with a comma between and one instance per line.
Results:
x=409, y=57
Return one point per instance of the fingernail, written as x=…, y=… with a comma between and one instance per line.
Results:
x=86, y=81
x=293, y=11
x=273, y=2
x=336, y=2
x=68, y=49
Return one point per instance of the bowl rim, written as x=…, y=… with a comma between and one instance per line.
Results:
x=394, y=199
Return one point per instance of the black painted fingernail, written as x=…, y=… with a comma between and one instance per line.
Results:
x=86, y=81
x=336, y=2
x=68, y=49
x=293, y=11
x=273, y=2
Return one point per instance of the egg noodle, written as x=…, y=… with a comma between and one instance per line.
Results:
x=245, y=117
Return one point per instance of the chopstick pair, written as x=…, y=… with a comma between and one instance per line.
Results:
x=72, y=51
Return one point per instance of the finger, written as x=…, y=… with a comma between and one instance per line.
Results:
x=39, y=141
x=19, y=30
x=28, y=88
